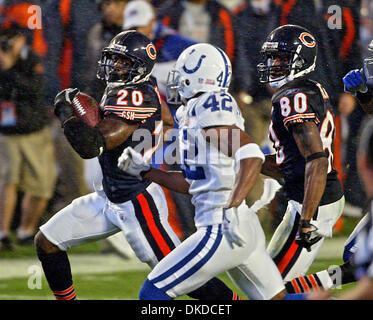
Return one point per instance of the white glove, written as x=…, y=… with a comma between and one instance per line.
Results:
x=230, y=227
x=132, y=163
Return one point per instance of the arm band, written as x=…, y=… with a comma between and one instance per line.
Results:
x=316, y=156
x=250, y=150
x=88, y=142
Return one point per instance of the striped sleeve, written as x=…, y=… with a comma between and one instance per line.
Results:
x=300, y=118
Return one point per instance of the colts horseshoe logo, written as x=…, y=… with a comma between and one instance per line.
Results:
x=186, y=70
x=307, y=42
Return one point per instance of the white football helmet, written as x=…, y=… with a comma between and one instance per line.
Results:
x=200, y=68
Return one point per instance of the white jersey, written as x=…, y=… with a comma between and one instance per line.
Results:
x=210, y=173
x=363, y=258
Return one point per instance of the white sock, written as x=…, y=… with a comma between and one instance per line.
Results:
x=22, y=234
x=3, y=234
x=325, y=279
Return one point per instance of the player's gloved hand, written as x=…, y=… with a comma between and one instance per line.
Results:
x=307, y=235
x=230, y=227
x=355, y=81
x=62, y=104
x=133, y=163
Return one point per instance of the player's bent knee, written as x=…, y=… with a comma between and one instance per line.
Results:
x=149, y=291
x=43, y=245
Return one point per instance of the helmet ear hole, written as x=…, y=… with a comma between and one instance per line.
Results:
x=187, y=82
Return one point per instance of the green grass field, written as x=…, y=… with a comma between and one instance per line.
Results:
x=108, y=286
x=109, y=282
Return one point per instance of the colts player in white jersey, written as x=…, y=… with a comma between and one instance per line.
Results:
x=220, y=165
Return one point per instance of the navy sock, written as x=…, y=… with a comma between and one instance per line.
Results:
x=57, y=270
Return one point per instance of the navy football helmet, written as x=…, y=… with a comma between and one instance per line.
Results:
x=295, y=47
x=129, y=58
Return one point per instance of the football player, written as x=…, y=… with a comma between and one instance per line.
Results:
x=302, y=131
x=136, y=207
x=363, y=257
x=355, y=82
x=220, y=165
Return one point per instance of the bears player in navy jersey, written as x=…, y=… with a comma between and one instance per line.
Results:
x=356, y=83
x=363, y=257
x=302, y=131
x=136, y=207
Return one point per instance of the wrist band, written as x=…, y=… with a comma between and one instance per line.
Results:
x=316, y=155
x=250, y=150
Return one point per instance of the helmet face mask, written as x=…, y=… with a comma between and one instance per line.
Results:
x=289, y=52
x=173, y=86
x=120, y=68
x=368, y=63
x=199, y=68
x=128, y=59
x=277, y=66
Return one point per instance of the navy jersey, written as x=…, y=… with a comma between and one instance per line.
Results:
x=298, y=101
x=139, y=103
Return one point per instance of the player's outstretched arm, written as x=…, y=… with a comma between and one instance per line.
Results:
x=309, y=143
x=355, y=82
x=247, y=154
x=134, y=164
x=270, y=168
x=173, y=180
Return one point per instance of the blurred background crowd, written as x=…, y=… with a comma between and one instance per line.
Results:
x=50, y=45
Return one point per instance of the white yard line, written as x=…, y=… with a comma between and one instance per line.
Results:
x=108, y=263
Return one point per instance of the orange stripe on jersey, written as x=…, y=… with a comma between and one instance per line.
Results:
x=152, y=226
x=295, y=286
x=296, y=116
x=287, y=257
x=131, y=108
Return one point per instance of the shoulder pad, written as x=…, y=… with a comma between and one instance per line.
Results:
x=308, y=87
